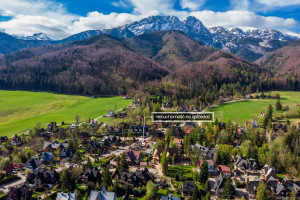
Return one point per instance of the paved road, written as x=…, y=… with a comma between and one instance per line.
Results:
x=5, y=187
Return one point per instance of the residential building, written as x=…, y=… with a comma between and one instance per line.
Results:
x=42, y=178
x=266, y=172
x=188, y=188
x=66, y=196
x=245, y=165
x=21, y=192
x=50, y=147
x=12, y=166
x=92, y=176
x=102, y=195
x=225, y=170
x=170, y=197
x=133, y=157
x=170, y=152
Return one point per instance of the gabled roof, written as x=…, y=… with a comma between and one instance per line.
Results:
x=19, y=193
x=224, y=169
x=218, y=182
x=188, y=186
x=102, y=195
x=34, y=163
x=66, y=196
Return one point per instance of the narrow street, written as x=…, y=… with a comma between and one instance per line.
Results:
x=5, y=187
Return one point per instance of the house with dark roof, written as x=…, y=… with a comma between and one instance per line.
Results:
x=50, y=147
x=138, y=178
x=251, y=188
x=66, y=154
x=286, y=187
x=22, y=192
x=133, y=157
x=84, y=137
x=267, y=171
x=66, y=196
x=245, y=165
x=92, y=176
x=15, y=140
x=282, y=189
x=170, y=197
x=112, y=139
x=188, y=188
x=46, y=157
x=42, y=178
x=102, y=195
x=33, y=164
x=219, y=184
x=94, y=147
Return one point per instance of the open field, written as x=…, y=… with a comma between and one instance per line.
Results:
x=242, y=111
x=21, y=110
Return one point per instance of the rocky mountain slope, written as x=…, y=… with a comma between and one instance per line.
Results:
x=283, y=61
x=248, y=43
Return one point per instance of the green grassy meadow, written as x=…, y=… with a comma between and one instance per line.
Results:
x=242, y=111
x=22, y=110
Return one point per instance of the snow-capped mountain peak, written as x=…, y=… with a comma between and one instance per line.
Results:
x=35, y=36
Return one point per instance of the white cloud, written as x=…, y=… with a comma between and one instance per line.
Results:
x=279, y=3
x=192, y=4
x=32, y=16
x=239, y=4
x=149, y=6
x=51, y=18
x=242, y=18
x=96, y=20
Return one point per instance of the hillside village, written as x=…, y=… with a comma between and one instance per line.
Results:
x=136, y=159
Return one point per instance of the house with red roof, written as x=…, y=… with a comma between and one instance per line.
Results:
x=12, y=166
x=224, y=170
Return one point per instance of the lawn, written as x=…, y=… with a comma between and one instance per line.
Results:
x=22, y=110
x=242, y=111
x=185, y=171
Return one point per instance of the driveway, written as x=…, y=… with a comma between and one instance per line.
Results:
x=5, y=187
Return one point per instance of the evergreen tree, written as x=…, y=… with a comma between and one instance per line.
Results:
x=278, y=105
x=107, y=180
x=227, y=193
x=204, y=172
x=164, y=163
x=269, y=113
x=123, y=164
x=67, y=181
x=207, y=186
x=262, y=191
x=196, y=194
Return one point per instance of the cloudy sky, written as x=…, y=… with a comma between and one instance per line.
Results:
x=61, y=18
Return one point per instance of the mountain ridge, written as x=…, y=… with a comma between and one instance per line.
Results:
x=248, y=43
